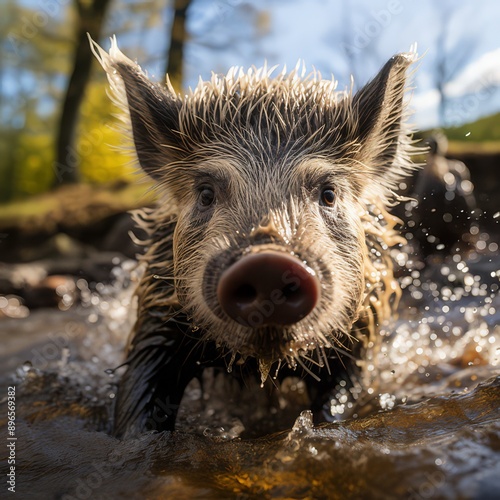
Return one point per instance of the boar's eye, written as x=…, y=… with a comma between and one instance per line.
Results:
x=327, y=197
x=206, y=197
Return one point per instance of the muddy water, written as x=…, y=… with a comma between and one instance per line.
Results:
x=424, y=422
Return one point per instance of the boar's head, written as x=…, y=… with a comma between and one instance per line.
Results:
x=275, y=187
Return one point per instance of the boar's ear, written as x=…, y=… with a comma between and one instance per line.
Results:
x=379, y=123
x=150, y=111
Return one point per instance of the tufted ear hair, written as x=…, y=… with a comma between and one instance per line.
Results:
x=379, y=123
x=150, y=110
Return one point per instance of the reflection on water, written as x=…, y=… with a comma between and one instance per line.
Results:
x=424, y=422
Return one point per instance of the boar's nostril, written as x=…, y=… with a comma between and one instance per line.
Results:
x=268, y=288
x=245, y=294
x=292, y=293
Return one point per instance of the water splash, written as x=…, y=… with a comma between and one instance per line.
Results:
x=446, y=343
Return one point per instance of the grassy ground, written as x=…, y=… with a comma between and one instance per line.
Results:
x=484, y=130
x=73, y=205
x=460, y=147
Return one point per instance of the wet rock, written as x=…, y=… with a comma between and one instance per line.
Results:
x=444, y=206
x=51, y=282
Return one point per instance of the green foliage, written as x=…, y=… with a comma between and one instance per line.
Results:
x=34, y=156
x=483, y=130
x=37, y=44
x=36, y=51
x=100, y=144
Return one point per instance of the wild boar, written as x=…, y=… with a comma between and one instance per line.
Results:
x=269, y=245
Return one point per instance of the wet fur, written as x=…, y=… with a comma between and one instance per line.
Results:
x=267, y=145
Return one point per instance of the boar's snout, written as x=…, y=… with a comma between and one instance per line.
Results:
x=268, y=287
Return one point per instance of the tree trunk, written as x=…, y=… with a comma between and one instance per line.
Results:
x=178, y=35
x=90, y=19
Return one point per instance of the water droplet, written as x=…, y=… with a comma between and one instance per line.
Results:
x=264, y=368
x=231, y=362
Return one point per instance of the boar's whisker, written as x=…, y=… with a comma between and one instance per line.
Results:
x=298, y=359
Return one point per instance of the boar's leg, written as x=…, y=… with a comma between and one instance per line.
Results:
x=159, y=368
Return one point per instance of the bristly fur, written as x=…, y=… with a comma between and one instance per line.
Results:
x=295, y=113
x=266, y=144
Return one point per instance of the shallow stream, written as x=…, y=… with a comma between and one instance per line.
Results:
x=423, y=423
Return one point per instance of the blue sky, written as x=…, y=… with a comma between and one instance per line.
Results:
x=338, y=37
x=323, y=33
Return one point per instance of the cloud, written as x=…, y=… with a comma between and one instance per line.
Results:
x=483, y=72
x=425, y=105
